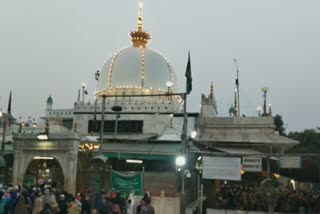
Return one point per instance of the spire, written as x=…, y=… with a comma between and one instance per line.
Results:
x=211, y=89
x=140, y=22
x=140, y=38
x=49, y=100
x=270, y=110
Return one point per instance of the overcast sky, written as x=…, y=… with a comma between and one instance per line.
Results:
x=51, y=47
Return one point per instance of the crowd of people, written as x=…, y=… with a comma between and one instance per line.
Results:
x=285, y=200
x=47, y=200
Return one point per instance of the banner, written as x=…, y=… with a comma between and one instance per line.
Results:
x=251, y=164
x=290, y=162
x=221, y=168
x=127, y=183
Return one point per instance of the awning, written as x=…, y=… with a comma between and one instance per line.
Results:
x=239, y=151
x=170, y=137
x=137, y=137
x=90, y=139
x=100, y=157
x=247, y=138
x=141, y=151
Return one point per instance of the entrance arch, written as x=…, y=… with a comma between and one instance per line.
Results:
x=44, y=170
x=62, y=147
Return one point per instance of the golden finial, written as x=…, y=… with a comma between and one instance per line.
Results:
x=140, y=38
x=140, y=23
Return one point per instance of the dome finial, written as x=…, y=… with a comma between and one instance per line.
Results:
x=140, y=38
x=140, y=22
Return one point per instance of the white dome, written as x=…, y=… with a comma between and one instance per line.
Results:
x=136, y=67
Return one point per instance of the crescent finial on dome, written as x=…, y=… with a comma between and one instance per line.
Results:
x=140, y=38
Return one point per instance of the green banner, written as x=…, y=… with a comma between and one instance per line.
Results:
x=127, y=183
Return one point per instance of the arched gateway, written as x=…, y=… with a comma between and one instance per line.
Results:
x=61, y=146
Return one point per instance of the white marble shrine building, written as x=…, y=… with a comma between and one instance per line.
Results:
x=137, y=99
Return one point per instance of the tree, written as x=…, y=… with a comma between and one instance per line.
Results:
x=309, y=141
x=309, y=144
x=278, y=122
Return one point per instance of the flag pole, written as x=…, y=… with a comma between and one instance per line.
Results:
x=237, y=85
x=94, y=125
x=102, y=120
x=184, y=153
x=185, y=132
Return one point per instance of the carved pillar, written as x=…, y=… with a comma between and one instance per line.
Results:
x=71, y=173
x=18, y=167
x=15, y=169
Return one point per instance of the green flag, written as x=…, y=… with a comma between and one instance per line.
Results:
x=188, y=76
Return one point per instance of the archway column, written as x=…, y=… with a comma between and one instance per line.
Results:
x=18, y=168
x=70, y=177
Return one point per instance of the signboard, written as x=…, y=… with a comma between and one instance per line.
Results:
x=290, y=162
x=222, y=168
x=127, y=183
x=251, y=164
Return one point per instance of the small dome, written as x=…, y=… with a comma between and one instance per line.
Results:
x=49, y=100
x=136, y=67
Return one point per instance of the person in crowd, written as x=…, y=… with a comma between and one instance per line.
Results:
x=120, y=201
x=21, y=207
x=63, y=204
x=73, y=207
x=116, y=209
x=150, y=208
x=54, y=207
x=107, y=206
x=12, y=201
x=46, y=198
x=142, y=208
x=130, y=204
x=3, y=202
x=113, y=197
x=46, y=209
x=78, y=201
x=142, y=202
x=98, y=202
x=86, y=208
x=38, y=206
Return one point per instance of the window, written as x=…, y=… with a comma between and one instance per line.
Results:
x=124, y=126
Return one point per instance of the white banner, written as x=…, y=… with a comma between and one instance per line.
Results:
x=251, y=164
x=290, y=162
x=221, y=168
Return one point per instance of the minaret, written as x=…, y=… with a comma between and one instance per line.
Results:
x=49, y=103
x=49, y=106
x=208, y=104
x=211, y=90
x=235, y=114
x=140, y=38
